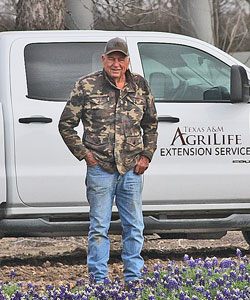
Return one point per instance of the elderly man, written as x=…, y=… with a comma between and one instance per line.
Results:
x=119, y=118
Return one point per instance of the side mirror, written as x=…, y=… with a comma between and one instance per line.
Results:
x=239, y=89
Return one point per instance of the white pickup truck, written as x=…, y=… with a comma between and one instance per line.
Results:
x=198, y=183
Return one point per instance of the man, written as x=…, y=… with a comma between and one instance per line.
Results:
x=114, y=105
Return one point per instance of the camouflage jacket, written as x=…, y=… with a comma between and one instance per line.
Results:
x=119, y=125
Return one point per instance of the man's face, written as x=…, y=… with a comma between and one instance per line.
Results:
x=115, y=64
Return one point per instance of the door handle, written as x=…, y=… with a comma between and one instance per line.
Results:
x=168, y=119
x=35, y=120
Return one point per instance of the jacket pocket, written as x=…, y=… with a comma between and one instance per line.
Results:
x=135, y=107
x=133, y=144
x=97, y=142
x=97, y=102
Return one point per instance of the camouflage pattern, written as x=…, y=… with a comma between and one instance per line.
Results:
x=119, y=125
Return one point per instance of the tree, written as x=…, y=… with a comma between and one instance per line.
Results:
x=227, y=20
x=231, y=25
x=7, y=15
x=40, y=15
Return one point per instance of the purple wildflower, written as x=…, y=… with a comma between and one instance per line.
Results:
x=200, y=289
x=233, y=275
x=245, y=260
x=226, y=263
x=207, y=294
x=177, y=270
x=238, y=253
x=213, y=285
x=144, y=271
x=210, y=272
x=107, y=281
x=214, y=262
x=186, y=258
x=208, y=263
x=192, y=263
x=158, y=267
x=12, y=275
x=182, y=295
x=92, y=279
x=157, y=275
x=49, y=287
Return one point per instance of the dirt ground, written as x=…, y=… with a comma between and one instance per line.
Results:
x=60, y=260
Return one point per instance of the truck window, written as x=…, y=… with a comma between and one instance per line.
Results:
x=182, y=73
x=53, y=68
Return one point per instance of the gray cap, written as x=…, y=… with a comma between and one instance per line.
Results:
x=116, y=45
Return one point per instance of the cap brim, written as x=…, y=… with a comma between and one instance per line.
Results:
x=117, y=50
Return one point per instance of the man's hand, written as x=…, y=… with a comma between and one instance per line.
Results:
x=90, y=160
x=142, y=165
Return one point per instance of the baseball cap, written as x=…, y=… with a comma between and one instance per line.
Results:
x=116, y=45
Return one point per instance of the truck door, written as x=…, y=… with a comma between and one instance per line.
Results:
x=43, y=73
x=203, y=152
x=2, y=159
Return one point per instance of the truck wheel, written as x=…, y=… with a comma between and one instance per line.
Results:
x=246, y=235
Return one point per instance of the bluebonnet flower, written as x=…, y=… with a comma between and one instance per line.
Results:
x=226, y=263
x=192, y=263
x=242, y=268
x=210, y=272
x=107, y=281
x=200, y=263
x=208, y=263
x=182, y=295
x=213, y=285
x=215, y=262
x=177, y=270
x=225, y=276
x=80, y=282
x=219, y=296
x=220, y=281
x=238, y=253
x=189, y=282
x=49, y=287
x=144, y=271
x=200, y=289
x=207, y=294
x=245, y=260
x=157, y=275
x=233, y=275
x=162, y=295
x=202, y=281
x=198, y=274
x=92, y=279
x=12, y=275
x=186, y=258
x=29, y=285
x=158, y=266
x=169, y=268
x=172, y=283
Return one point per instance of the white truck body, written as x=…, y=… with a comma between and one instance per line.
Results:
x=198, y=181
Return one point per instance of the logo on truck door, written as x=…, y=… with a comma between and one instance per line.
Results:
x=200, y=141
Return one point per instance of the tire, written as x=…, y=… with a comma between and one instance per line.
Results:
x=246, y=235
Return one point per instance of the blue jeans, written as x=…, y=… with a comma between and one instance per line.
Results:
x=102, y=189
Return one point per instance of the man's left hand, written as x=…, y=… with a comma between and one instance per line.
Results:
x=142, y=165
